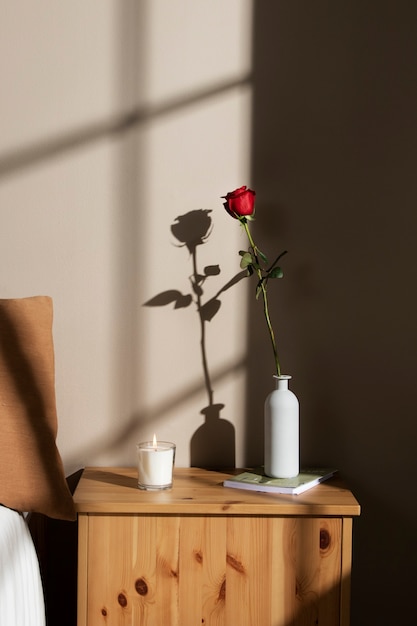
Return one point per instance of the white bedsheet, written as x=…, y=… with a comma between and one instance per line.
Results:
x=21, y=593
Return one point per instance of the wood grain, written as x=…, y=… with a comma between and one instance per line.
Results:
x=195, y=568
x=200, y=491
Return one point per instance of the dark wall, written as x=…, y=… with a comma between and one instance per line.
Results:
x=334, y=167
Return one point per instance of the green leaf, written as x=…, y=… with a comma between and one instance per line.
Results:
x=276, y=272
x=246, y=260
x=263, y=256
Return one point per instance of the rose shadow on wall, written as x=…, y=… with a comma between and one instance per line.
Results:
x=213, y=443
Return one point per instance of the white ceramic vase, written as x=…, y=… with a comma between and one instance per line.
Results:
x=282, y=440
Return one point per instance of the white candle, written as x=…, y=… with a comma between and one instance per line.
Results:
x=155, y=464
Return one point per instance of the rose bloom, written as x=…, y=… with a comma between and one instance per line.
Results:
x=240, y=202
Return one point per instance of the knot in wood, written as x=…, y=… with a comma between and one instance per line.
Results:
x=141, y=587
x=235, y=563
x=226, y=506
x=222, y=592
x=122, y=600
x=324, y=539
x=198, y=556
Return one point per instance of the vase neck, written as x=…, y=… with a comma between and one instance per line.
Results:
x=281, y=382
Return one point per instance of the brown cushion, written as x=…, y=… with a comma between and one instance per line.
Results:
x=32, y=476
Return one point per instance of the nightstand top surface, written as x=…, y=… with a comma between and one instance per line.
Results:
x=196, y=491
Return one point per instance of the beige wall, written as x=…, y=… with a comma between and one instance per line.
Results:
x=112, y=124
x=115, y=118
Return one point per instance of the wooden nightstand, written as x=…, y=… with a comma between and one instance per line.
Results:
x=201, y=554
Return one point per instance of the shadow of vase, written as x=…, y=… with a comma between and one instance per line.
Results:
x=213, y=444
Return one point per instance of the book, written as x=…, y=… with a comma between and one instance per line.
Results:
x=256, y=480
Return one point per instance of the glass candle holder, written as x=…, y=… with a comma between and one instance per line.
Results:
x=155, y=464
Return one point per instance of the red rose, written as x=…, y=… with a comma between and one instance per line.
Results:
x=240, y=202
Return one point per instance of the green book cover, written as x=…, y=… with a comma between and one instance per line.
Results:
x=256, y=480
